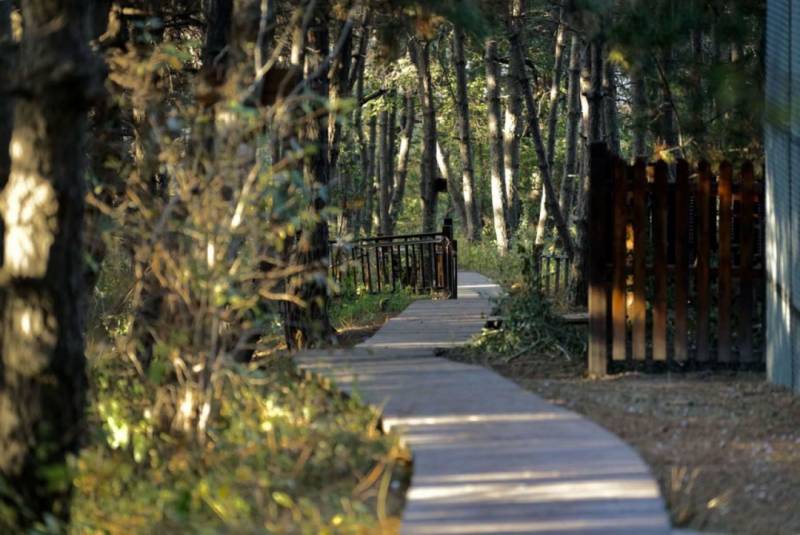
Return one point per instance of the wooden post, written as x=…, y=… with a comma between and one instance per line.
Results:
x=598, y=290
x=660, y=261
x=725, y=190
x=703, y=260
x=682, y=262
x=618, y=288
x=746, y=265
x=639, y=308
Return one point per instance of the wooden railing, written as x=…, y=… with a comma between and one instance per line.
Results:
x=552, y=273
x=675, y=265
x=420, y=263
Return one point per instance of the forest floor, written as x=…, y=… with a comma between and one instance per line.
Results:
x=725, y=448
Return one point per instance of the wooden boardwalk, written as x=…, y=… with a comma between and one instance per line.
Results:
x=489, y=457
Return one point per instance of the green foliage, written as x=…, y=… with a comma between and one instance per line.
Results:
x=283, y=455
x=530, y=327
x=362, y=308
x=507, y=270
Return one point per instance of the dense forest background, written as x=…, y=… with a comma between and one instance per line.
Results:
x=172, y=172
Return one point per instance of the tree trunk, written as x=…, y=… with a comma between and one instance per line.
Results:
x=669, y=131
x=499, y=201
x=552, y=121
x=401, y=170
x=453, y=188
x=611, y=124
x=42, y=293
x=421, y=58
x=594, y=114
x=465, y=139
x=639, y=105
x=369, y=179
x=512, y=133
x=518, y=71
x=385, y=178
x=309, y=325
x=573, y=120
x=6, y=103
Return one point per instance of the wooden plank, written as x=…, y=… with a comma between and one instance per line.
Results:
x=746, y=266
x=618, y=270
x=703, y=260
x=639, y=307
x=660, y=262
x=724, y=327
x=598, y=288
x=681, y=341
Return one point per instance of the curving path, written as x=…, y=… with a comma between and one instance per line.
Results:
x=489, y=457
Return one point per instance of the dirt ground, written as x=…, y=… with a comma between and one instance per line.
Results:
x=725, y=447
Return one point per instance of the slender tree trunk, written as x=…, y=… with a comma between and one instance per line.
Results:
x=512, y=133
x=499, y=201
x=518, y=71
x=610, y=107
x=465, y=139
x=453, y=188
x=594, y=126
x=42, y=293
x=369, y=179
x=6, y=103
x=573, y=120
x=385, y=178
x=696, y=124
x=352, y=217
x=401, y=170
x=339, y=88
x=552, y=121
x=309, y=326
x=639, y=108
x=669, y=132
x=422, y=56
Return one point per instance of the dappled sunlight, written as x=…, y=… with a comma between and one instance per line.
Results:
x=31, y=325
x=29, y=207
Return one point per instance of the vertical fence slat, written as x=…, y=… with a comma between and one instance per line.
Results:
x=639, y=308
x=703, y=260
x=598, y=301
x=724, y=327
x=618, y=286
x=660, y=262
x=682, y=262
x=746, y=269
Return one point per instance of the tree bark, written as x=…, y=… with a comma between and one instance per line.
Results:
x=369, y=179
x=573, y=120
x=385, y=178
x=518, y=70
x=512, y=133
x=594, y=129
x=453, y=188
x=42, y=293
x=6, y=102
x=611, y=123
x=552, y=121
x=639, y=109
x=499, y=201
x=401, y=169
x=421, y=57
x=465, y=139
x=309, y=325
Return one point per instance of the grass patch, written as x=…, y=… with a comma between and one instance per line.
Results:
x=283, y=454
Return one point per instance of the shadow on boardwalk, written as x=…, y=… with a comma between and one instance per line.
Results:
x=489, y=457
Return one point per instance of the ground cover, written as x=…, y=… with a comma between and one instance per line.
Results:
x=282, y=453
